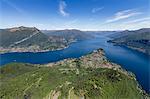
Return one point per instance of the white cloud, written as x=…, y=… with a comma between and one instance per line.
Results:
x=138, y=20
x=62, y=7
x=94, y=10
x=123, y=15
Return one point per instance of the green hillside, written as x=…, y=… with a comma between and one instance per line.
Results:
x=138, y=39
x=90, y=77
x=69, y=35
x=28, y=39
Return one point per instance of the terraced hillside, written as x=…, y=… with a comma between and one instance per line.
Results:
x=89, y=77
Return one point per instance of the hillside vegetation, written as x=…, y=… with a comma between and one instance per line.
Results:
x=138, y=39
x=69, y=35
x=28, y=39
x=89, y=77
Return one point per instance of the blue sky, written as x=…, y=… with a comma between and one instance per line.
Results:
x=76, y=14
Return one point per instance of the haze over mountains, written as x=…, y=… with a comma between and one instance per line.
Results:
x=72, y=34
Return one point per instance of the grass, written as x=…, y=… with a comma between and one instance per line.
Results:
x=28, y=81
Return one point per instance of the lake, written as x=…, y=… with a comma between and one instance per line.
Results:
x=131, y=60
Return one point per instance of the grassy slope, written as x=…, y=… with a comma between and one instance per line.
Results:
x=27, y=81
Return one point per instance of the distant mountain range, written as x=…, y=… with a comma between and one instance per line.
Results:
x=137, y=39
x=89, y=77
x=30, y=39
x=69, y=34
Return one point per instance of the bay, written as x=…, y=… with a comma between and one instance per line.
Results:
x=131, y=60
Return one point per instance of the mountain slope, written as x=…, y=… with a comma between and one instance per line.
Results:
x=28, y=39
x=91, y=77
x=69, y=35
x=138, y=39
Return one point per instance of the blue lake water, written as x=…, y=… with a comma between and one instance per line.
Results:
x=131, y=60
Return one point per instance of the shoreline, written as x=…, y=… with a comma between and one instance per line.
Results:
x=118, y=67
x=56, y=50
x=26, y=51
x=130, y=47
x=33, y=51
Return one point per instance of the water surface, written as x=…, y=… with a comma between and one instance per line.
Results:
x=131, y=60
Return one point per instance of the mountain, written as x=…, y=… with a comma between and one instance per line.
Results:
x=28, y=39
x=91, y=77
x=137, y=39
x=69, y=35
